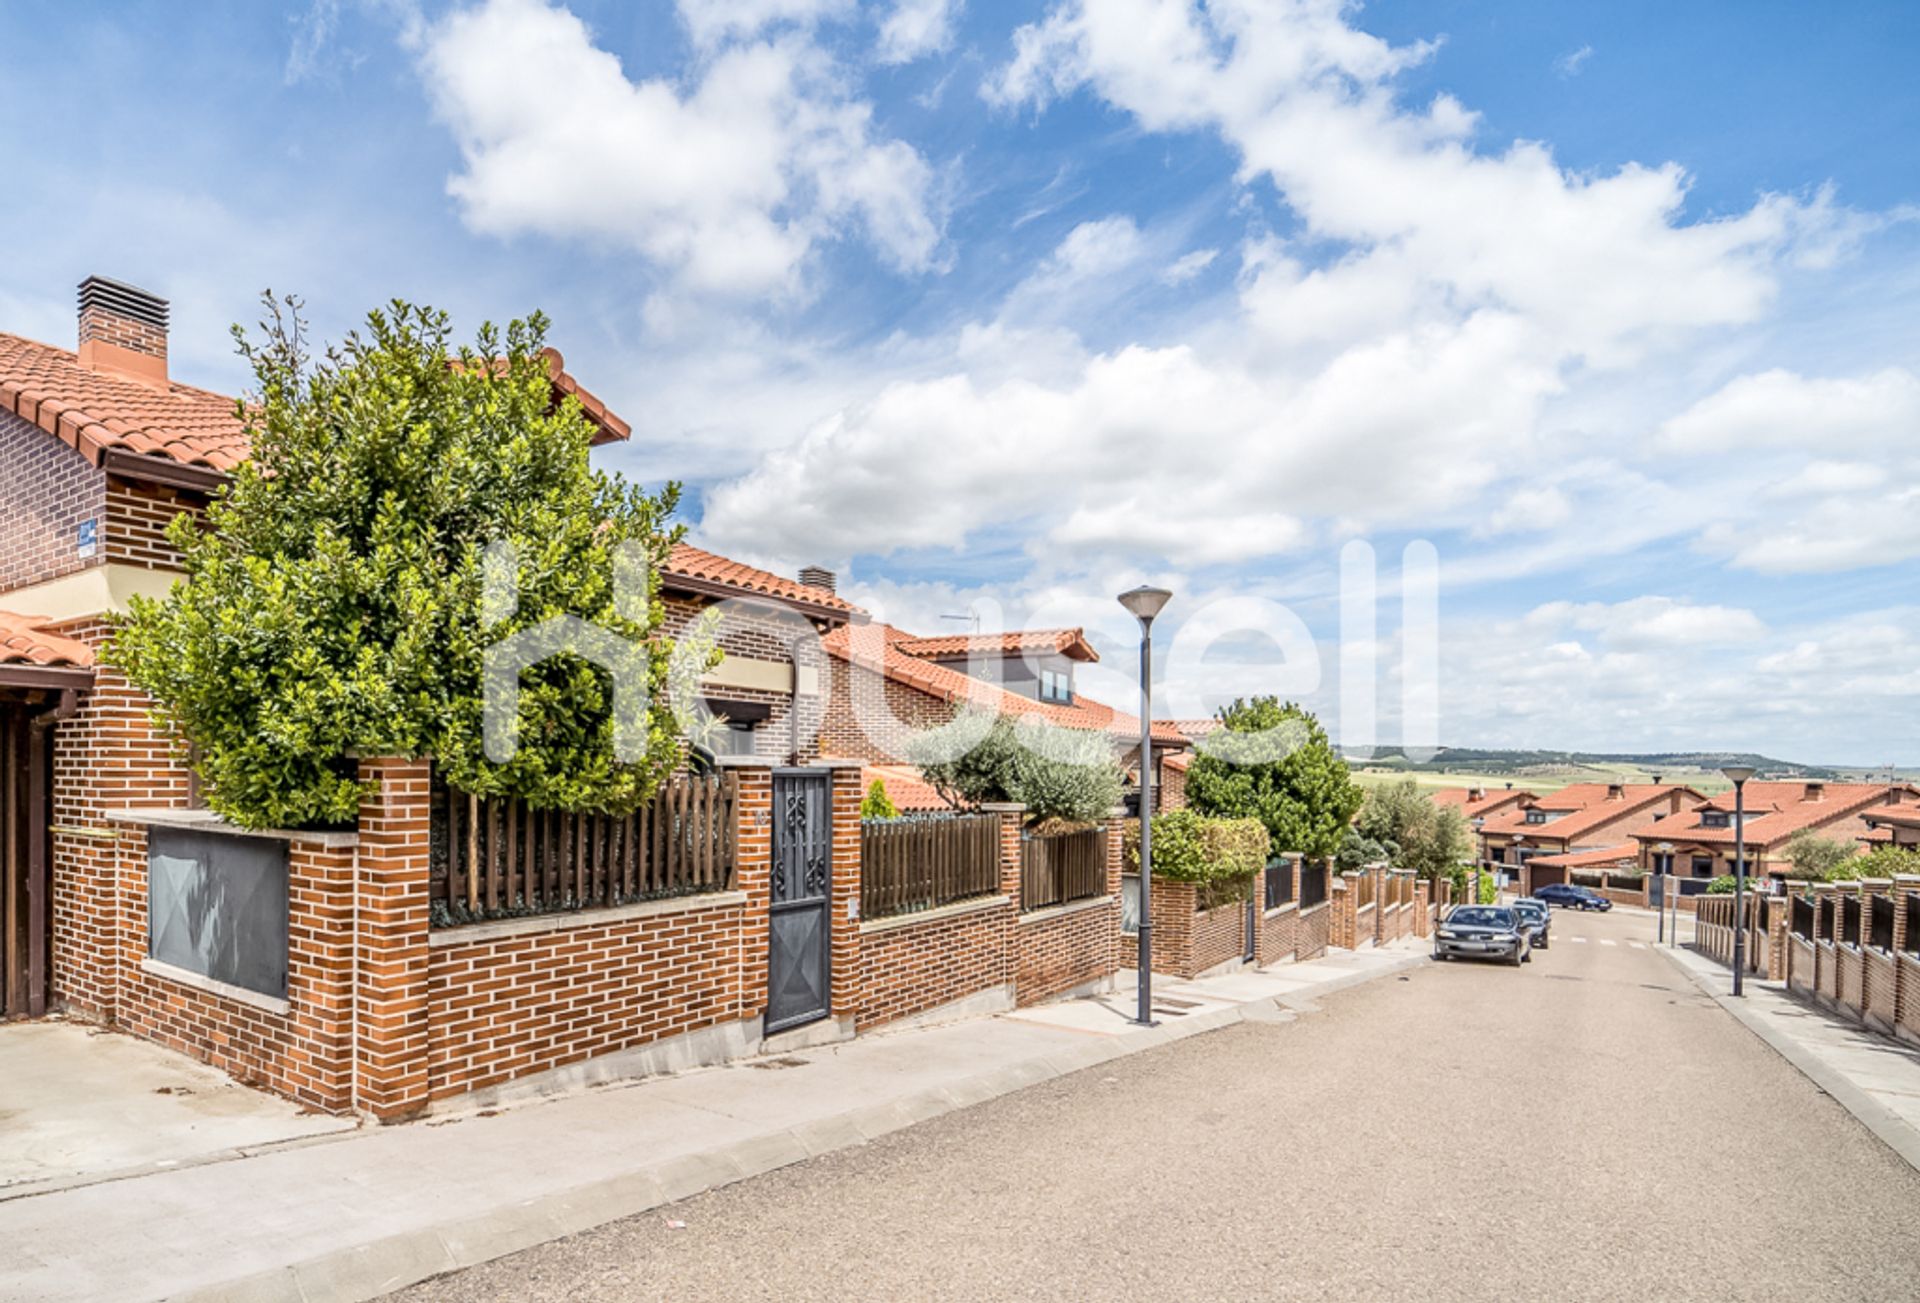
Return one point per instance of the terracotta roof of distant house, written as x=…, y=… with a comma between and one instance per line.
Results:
x=1586, y=805
x=96, y=411
x=1489, y=799
x=1198, y=728
x=952, y=686
x=1625, y=853
x=1897, y=816
x=1776, y=811
x=687, y=562
x=1066, y=642
x=24, y=642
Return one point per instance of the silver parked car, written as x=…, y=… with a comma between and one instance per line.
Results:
x=1536, y=919
x=1483, y=932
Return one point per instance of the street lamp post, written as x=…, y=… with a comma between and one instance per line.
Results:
x=1665, y=851
x=1144, y=604
x=1739, y=774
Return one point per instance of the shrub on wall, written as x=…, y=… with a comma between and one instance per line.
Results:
x=1221, y=857
x=1068, y=776
x=1305, y=796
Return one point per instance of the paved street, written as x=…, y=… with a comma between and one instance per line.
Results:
x=1589, y=1126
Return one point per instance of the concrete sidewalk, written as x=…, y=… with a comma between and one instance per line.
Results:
x=369, y=1212
x=1874, y=1077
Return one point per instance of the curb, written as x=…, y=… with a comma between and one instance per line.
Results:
x=382, y=1266
x=1887, y=1126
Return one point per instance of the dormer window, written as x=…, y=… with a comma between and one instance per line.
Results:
x=1536, y=816
x=1715, y=819
x=1056, y=685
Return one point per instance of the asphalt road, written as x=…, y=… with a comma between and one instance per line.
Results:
x=1587, y=1127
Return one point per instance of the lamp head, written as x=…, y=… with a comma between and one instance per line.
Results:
x=1737, y=774
x=1144, y=603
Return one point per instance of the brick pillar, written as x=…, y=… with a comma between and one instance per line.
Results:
x=1904, y=885
x=1344, y=912
x=845, y=898
x=1777, y=931
x=1423, y=907
x=1013, y=817
x=1125, y=950
x=390, y=888
x=753, y=875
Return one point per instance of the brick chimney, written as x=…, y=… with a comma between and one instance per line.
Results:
x=1616, y=792
x=817, y=577
x=123, y=330
x=1816, y=792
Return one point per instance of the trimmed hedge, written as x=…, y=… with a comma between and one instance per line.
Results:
x=1220, y=856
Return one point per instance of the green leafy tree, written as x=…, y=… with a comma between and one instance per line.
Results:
x=333, y=602
x=1072, y=778
x=1305, y=798
x=1358, y=850
x=1821, y=859
x=876, y=804
x=1427, y=838
x=1885, y=862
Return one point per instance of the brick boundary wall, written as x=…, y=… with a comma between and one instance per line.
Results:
x=1073, y=946
x=1310, y=933
x=910, y=966
x=303, y=1052
x=1276, y=932
x=1187, y=940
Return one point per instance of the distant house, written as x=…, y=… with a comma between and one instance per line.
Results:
x=1579, y=817
x=894, y=685
x=1701, y=845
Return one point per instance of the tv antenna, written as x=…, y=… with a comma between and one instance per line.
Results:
x=971, y=618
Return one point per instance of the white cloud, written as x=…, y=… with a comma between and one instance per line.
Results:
x=1189, y=265
x=1570, y=63
x=710, y=22
x=1874, y=413
x=1651, y=622
x=730, y=182
x=914, y=29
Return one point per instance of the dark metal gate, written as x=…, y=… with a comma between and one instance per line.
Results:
x=1250, y=951
x=800, y=924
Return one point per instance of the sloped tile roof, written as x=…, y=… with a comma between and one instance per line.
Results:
x=879, y=648
x=909, y=792
x=1493, y=798
x=1625, y=852
x=1065, y=642
x=93, y=411
x=1776, y=811
x=1588, y=806
x=689, y=562
x=24, y=642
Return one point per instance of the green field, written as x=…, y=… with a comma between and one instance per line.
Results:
x=1542, y=778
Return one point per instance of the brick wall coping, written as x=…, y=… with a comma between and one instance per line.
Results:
x=1876, y=884
x=1311, y=908
x=970, y=906
x=213, y=986
x=1002, y=807
x=534, y=924
x=1911, y=879
x=1278, y=910
x=208, y=821
x=1071, y=907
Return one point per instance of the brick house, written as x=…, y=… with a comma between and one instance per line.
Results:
x=892, y=685
x=1578, y=817
x=1893, y=826
x=1700, y=846
x=103, y=448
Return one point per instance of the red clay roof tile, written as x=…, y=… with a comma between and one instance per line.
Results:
x=24, y=642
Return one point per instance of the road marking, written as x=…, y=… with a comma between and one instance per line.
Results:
x=1608, y=941
x=1579, y=940
x=1638, y=945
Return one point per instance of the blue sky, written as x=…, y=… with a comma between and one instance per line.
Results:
x=1004, y=307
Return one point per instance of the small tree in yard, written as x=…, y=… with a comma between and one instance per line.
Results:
x=333, y=599
x=876, y=804
x=1305, y=798
x=1072, y=778
x=1821, y=859
x=1424, y=837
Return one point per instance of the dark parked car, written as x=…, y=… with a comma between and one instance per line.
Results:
x=1571, y=897
x=1483, y=932
x=1537, y=919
